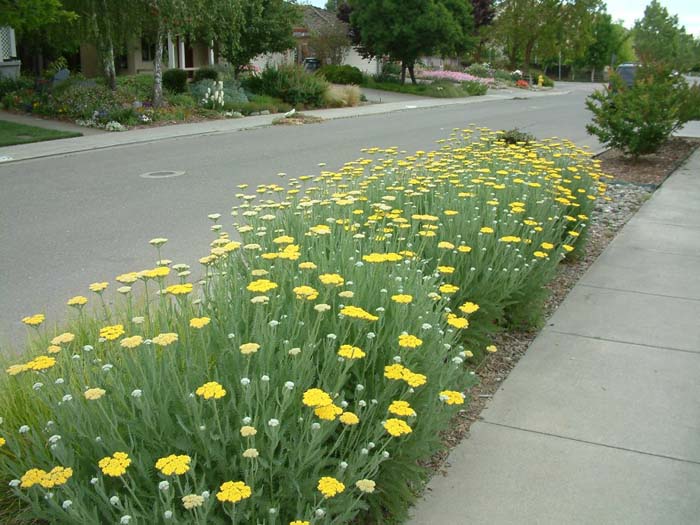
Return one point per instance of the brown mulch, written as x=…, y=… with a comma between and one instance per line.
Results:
x=649, y=169
x=632, y=184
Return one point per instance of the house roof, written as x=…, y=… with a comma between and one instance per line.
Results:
x=316, y=18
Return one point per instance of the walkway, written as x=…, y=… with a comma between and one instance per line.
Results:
x=599, y=423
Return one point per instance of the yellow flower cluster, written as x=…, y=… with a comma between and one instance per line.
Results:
x=330, y=487
x=351, y=352
x=34, y=320
x=409, y=341
x=400, y=372
x=233, y=492
x=165, y=339
x=305, y=292
x=211, y=390
x=179, y=289
x=174, y=465
x=397, y=427
x=56, y=477
x=358, y=313
x=115, y=465
x=199, y=322
x=112, y=332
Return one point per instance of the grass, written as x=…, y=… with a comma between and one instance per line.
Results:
x=438, y=89
x=11, y=133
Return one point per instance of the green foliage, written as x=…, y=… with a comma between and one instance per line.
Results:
x=135, y=87
x=30, y=15
x=205, y=73
x=258, y=103
x=80, y=100
x=342, y=74
x=435, y=89
x=330, y=42
x=408, y=29
x=515, y=136
x=659, y=39
x=175, y=80
x=480, y=70
x=247, y=29
x=293, y=85
x=638, y=120
x=181, y=100
x=690, y=106
x=11, y=85
x=608, y=40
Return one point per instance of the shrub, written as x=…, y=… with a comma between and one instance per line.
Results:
x=515, y=136
x=474, y=88
x=233, y=93
x=480, y=70
x=181, y=100
x=135, y=87
x=342, y=74
x=293, y=85
x=10, y=85
x=690, y=106
x=204, y=73
x=175, y=80
x=640, y=119
x=342, y=96
x=318, y=350
x=83, y=100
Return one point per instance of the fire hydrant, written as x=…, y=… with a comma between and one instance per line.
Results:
x=540, y=81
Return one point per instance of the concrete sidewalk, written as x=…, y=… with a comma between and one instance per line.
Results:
x=145, y=135
x=599, y=423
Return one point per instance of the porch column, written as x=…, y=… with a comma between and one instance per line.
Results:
x=181, y=53
x=171, y=52
x=13, y=43
x=211, y=53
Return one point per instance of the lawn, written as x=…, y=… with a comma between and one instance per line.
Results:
x=11, y=133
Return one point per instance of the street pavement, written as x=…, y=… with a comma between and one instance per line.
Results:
x=599, y=423
x=76, y=217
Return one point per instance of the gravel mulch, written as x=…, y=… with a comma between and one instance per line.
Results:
x=632, y=184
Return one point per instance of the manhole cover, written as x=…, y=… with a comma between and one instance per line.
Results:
x=162, y=174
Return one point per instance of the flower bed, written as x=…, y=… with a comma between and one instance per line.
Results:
x=316, y=361
x=454, y=76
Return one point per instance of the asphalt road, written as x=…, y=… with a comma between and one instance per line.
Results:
x=68, y=221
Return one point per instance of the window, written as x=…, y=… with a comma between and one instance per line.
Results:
x=148, y=50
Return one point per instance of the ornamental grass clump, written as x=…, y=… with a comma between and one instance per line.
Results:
x=315, y=362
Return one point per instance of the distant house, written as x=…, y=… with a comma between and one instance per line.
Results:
x=314, y=20
x=9, y=65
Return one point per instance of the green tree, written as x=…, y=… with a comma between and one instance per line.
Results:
x=659, y=39
x=248, y=28
x=405, y=30
x=31, y=15
x=608, y=39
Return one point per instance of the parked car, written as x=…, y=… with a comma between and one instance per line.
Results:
x=627, y=73
x=311, y=64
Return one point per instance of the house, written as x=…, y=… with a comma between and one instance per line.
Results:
x=315, y=19
x=9, y=65
x=179, y=53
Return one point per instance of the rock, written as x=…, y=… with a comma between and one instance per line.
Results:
x=264, y=112
x=255, y=114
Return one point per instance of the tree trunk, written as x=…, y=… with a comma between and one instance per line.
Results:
x=403, y=72
x=108, y=55
x=593, y=74
x=412, y=72
x=158, y=69
x=528, y=56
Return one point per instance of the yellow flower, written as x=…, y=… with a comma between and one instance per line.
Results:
x=446, y=245
x=179, y=289
x=540, y=255
x=448, y=288
x=409, y=341
x=567, y=247
x=358, y=313
x=56, y=477
x=127, y=278
x=299, y=522
x=415, y=380
x=486, y=229
x=131, y=342
x=112, y=332
x=395, y=372
x=261, y=286
x=211, y=390
x=469, y=308
x=464, y=249
x=330, y=487
x=249, y=348
x=402, y=298
x=284, y=239
x=305, y=292
x=328, y=412
x=397, y=427
x=351, y=352
x=13, y=370
x=307, y=266
x=160, y=271
x=446, y=269
x=401, y=408
x=331, y=279
x=98, y=287
x=546, y=246
x=174, y=464
x=233, y=492
x=165, y=339
x=199, y=322
x=115, y=465
x=457, y=322
x=382, y=257
x=34, y=320
x=92, y=394
x=251, y=453
x=315, y=397
x=77, y=301
x=321, y=229
x=63, y=338
x=192, y=501
x=349, y=418
x=346, y=294
x=259, y=273
x=2, y=441
x=491, y=348
x=53, y=349
x=43, y=362
x=451, y=397
x=248, y=431
x=366, y=485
